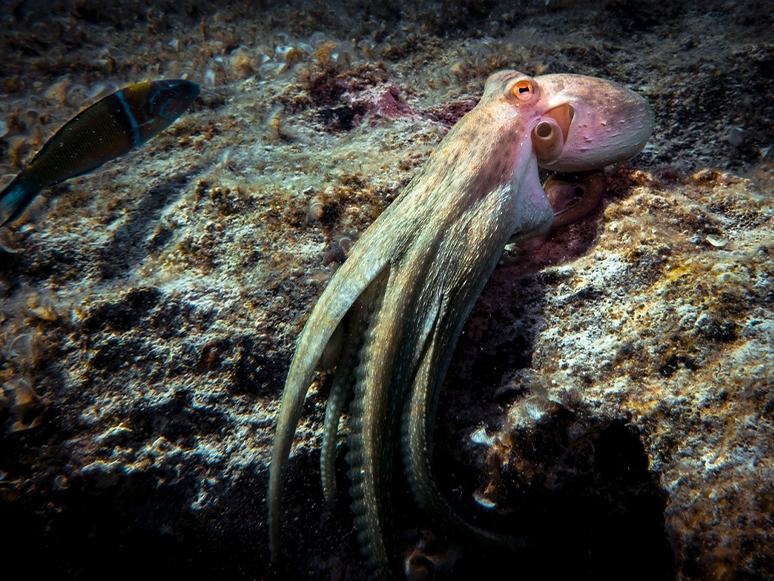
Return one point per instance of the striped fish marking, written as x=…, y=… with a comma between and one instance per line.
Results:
x=110, y=127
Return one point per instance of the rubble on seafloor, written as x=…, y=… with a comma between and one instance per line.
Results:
x=610, y=397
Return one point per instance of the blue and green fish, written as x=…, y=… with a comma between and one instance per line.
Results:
x=110, y=127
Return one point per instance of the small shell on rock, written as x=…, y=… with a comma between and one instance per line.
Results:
x=483, y=500
x=209, y=78
x=717, y=242
x=26, y=403
x=269, y=69
x=316, y=208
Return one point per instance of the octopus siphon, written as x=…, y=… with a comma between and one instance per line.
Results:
x=389, y=319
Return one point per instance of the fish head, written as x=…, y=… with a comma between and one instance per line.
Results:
x=170, y=99
x=155, y=105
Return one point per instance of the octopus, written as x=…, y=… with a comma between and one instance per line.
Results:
x=389, y=319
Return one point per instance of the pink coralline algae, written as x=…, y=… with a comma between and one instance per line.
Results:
x=390, y=106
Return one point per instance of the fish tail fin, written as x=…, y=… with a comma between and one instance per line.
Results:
x=15, y=198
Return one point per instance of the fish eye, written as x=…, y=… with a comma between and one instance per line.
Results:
x=523, y=90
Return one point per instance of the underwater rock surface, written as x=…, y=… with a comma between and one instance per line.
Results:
x=611, y=396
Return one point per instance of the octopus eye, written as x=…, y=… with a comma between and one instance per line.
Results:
x=523, y=90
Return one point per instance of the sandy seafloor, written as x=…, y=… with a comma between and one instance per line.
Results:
x=611, y=397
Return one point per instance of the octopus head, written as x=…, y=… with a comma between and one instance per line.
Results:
x=601, y=123
x=577, y=123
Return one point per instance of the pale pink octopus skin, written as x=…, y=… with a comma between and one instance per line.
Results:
x=391, y=315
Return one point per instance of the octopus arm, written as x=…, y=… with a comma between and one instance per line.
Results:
x=430, y=291
x=355, y=329
x=488, y=231
x=348, y=284
x=347, y=293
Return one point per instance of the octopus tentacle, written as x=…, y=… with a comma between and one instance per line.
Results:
x=345, y=379
x=364, y=264
x=385, y=361
x=338, y=299
x=416, y=450
x=432, y=283
x=337, y=401
x=574, y=197
x=341, y=389
x=459, y=295
x=366, y=261
x=369, y=479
